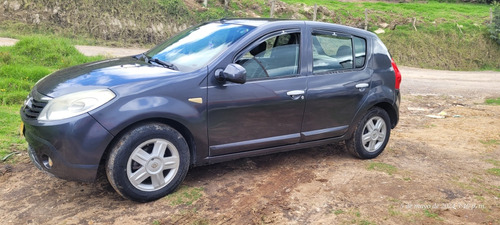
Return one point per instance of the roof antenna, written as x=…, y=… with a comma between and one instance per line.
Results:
x=222, y=20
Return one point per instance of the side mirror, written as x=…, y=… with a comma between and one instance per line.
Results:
x=233, y=72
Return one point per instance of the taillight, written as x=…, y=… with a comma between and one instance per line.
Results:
x=397, y=74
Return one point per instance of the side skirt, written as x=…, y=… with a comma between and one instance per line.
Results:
x=267, y=151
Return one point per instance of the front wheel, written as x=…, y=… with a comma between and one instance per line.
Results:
x=371, y=134
x=148, y=162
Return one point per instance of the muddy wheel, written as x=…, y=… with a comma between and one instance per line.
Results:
x=371, y=134
x=148, y=162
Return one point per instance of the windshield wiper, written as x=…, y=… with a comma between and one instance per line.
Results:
x=164, y=64
x=160, y=62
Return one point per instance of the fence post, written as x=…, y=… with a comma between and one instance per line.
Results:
x=491, y=15
x=315, y=11
x=414, y=22
x=366, y=19
x=226, y=3
x=205, y=3
x=272, y=9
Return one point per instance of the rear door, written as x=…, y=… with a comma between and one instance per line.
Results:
x=267, y=110
x=337, y=83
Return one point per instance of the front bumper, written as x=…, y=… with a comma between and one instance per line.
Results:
x=74, y=146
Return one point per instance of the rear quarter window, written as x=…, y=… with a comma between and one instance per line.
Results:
x=359, y=52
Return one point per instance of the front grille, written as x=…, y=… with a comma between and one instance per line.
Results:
x=33, y=107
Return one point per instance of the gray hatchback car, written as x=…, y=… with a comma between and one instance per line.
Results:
x=218, y=91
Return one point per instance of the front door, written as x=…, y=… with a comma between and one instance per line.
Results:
x=267, y=110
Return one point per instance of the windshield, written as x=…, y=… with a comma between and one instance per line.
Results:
x=194, y=48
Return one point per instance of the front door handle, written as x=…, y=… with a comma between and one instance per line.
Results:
x=296, y=94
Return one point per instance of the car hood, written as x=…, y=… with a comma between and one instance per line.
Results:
x=101, y=74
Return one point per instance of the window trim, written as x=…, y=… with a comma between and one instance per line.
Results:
x=338, y=34
x=366, y=51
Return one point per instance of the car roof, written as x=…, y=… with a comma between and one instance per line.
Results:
x=261, y=22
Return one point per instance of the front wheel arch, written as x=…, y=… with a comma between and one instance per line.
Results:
x=139, y=151
x=188, y=136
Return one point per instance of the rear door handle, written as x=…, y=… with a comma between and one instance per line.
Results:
x=296, y=94
x=362, y=85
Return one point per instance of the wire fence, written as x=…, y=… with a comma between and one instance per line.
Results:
x=272, y=11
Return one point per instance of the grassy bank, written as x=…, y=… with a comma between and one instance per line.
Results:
x=112, y=22
x=10, y=138
x=20, y=67
x=31, y=59
x=451, y=36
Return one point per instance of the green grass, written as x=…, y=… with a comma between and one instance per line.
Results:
x=494, y=171
x=382, y=167
x=494, y=162
x=490, y=142
x=32, y=58
x=111, y=23
x=456, y=38
x=493, y=101
x=185, y=195
x=431, y=214
x=338, y=212
x=10, y=138
x=200, y=222
x=393, y=212
x=365, y=222
x=21, y=66
x=428, y=12
x=19, y=30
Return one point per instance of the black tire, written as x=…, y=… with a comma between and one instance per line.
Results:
x=155, y=156
x=375, y=127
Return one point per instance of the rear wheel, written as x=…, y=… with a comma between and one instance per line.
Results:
x=148, y=162
x=371, y=135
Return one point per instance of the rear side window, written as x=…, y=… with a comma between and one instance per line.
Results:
x=334, y=52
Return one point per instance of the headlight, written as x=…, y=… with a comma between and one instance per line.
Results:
x=75, y=104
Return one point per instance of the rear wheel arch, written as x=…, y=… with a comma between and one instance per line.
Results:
x=393, y=115
x=391, y=111
x=370, y=134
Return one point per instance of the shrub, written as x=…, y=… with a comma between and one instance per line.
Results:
x=495, y=25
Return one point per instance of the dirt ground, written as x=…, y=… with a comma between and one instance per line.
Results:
x=434, y=171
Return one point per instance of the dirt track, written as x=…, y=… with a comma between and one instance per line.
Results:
x=441, y=173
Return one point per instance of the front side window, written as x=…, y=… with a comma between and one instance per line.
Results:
x=196, y=47
x=276, y=56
